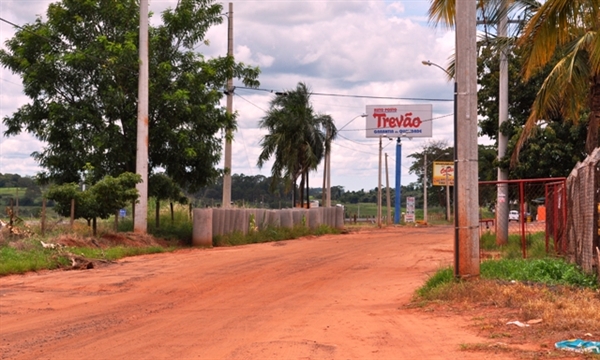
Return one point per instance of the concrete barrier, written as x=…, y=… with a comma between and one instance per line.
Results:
x=339, y=218
x=315, y=218
x=202, y=232
x=218, y=221
x=286, y=218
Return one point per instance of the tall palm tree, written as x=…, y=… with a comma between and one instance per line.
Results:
x=567, y=30
x=296, y=138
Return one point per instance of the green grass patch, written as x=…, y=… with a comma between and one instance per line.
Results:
x=548, y=271
x=117, y=252
x=535, y=245
x=30, y=257
x=21, y=256
x=270, y=234
x=441, y=278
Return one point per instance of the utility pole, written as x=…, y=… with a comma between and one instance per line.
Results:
x=329, y=176
x=502, y=195
x=228, y=132
x=387, y=192
x=425, y=188
x=398, y=200
x=140, y=222
x=467, y=240
x=379, y=188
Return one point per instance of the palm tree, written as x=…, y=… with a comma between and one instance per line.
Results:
x=296, y=139
x=567, y=30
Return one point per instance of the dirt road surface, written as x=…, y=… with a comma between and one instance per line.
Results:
x=329, y=297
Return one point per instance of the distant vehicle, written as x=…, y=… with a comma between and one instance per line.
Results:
x=513, y=215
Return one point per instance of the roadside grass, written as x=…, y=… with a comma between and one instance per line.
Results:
x=535, y=244
x=23, y=255
x=270, y=234
x=29, y=257
x=26, y=253
x=564, y=301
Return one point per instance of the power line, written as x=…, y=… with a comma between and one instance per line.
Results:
x=276, y=92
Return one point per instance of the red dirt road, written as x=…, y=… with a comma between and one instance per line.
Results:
x=329, y=297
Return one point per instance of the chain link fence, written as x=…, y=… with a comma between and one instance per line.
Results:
x=583, y=221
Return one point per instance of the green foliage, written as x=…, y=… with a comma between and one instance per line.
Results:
x=297, y=138
x=439, y=279
x=552, y=150
x=80, y=67
x=548, y=271
x=270, y=234
x=31, y=256
x=14, y=261
x=101, y=200
x=117, y=252
x=535, y=245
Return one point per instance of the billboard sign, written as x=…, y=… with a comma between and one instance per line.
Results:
x=412, y=120
x=443, y=170
x=410, y=209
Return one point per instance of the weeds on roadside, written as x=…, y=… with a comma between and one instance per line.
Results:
x=270, y=234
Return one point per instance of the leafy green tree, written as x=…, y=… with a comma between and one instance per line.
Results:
x=80, y=70
x=570, y=32
x=554, y=149
x=101, y=200
x=162, y=187
x=297, y=138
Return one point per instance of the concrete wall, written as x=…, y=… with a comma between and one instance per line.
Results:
x=211, y=222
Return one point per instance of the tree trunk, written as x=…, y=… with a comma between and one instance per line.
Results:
x=301, y=190
x=294, y=194
x=172, y=213
x=157, y=214
x=594, y=118
x=94, y=227
x=307, y=192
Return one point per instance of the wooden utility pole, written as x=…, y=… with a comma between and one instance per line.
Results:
x=467, y=234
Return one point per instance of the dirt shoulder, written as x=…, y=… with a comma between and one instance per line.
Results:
x=329, y=297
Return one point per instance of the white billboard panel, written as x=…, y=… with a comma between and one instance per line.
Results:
x=412, y=120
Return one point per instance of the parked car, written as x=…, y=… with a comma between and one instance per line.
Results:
x=513, y=215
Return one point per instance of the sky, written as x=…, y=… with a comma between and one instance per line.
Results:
x=351, y=54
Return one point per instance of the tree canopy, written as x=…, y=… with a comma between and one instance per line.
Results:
x=100, y=200
x=80, y=70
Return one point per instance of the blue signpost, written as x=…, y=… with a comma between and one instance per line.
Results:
x=398, y=202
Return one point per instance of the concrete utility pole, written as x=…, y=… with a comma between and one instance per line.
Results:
x=388, y=217
x=398, y=199
x=467, y=191
x=502, y=196
x=140, y=222
x=379, y=188
x=425, y=188
x=228, y=134
x=326, y=192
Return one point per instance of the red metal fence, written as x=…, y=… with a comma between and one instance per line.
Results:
x=525, y=207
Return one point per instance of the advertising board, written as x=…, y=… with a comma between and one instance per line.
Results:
x=410, y=209
x=410, y=121
x=443, y=170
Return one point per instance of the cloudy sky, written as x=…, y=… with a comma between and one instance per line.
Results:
x=350, y=53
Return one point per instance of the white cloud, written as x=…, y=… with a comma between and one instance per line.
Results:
x=368, y=48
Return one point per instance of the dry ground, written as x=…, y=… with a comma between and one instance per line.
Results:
x=330, y=297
